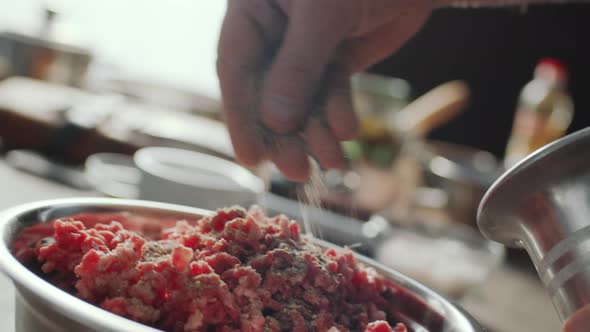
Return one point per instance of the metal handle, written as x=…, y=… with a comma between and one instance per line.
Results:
x=33, y=162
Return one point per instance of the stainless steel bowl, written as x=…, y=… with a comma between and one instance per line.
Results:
x=43, y=307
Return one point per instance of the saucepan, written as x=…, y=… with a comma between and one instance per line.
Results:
x=461, y=174
x=43, y=307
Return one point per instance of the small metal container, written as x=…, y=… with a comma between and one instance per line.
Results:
x=542, y=204
x=42, y=56
x=43, y=307
x=462, y=173
x=43, y=59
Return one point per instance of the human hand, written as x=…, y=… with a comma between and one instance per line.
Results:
x=578, y=322
x=284, y=68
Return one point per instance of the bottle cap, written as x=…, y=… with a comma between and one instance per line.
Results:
x=552, y=70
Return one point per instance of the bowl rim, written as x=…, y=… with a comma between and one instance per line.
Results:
x=157, y=161
x=447, y=154
x=88, y=314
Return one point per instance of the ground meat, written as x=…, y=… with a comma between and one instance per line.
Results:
x=233, y=271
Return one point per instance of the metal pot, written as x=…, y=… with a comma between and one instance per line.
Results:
x=42, y=56
x=462, y=174
x=43, y=307
x=29, y=56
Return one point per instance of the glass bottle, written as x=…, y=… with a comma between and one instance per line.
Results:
x=545, y=111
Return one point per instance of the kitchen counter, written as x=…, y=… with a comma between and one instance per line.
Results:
x=511, y=301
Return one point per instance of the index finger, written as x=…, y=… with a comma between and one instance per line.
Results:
x=240, y=53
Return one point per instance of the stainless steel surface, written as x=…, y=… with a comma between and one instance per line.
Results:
x=42, y=56
x=44, y=307
x=330, y=226
x=463, y=173
x=493, y=305
x=43, y=59
x=150, y=125
x=165, y=96
x=33, y=162
x=174, y=176
x=543, y=205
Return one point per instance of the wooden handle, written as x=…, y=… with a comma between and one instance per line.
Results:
x=433, y=109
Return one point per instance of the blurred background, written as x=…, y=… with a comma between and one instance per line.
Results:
x=495, y=51
x=154, y=40
x=85, y=85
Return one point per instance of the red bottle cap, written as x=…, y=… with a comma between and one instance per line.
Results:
x=551, y=69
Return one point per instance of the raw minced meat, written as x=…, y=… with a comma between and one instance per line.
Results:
x=233, y=271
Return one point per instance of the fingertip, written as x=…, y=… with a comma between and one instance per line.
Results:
x=246, y=139
x=300, y=176
x=248, y=159
x=340, y=116
x=324, y=145
x=249, y=152
x=290, y=158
